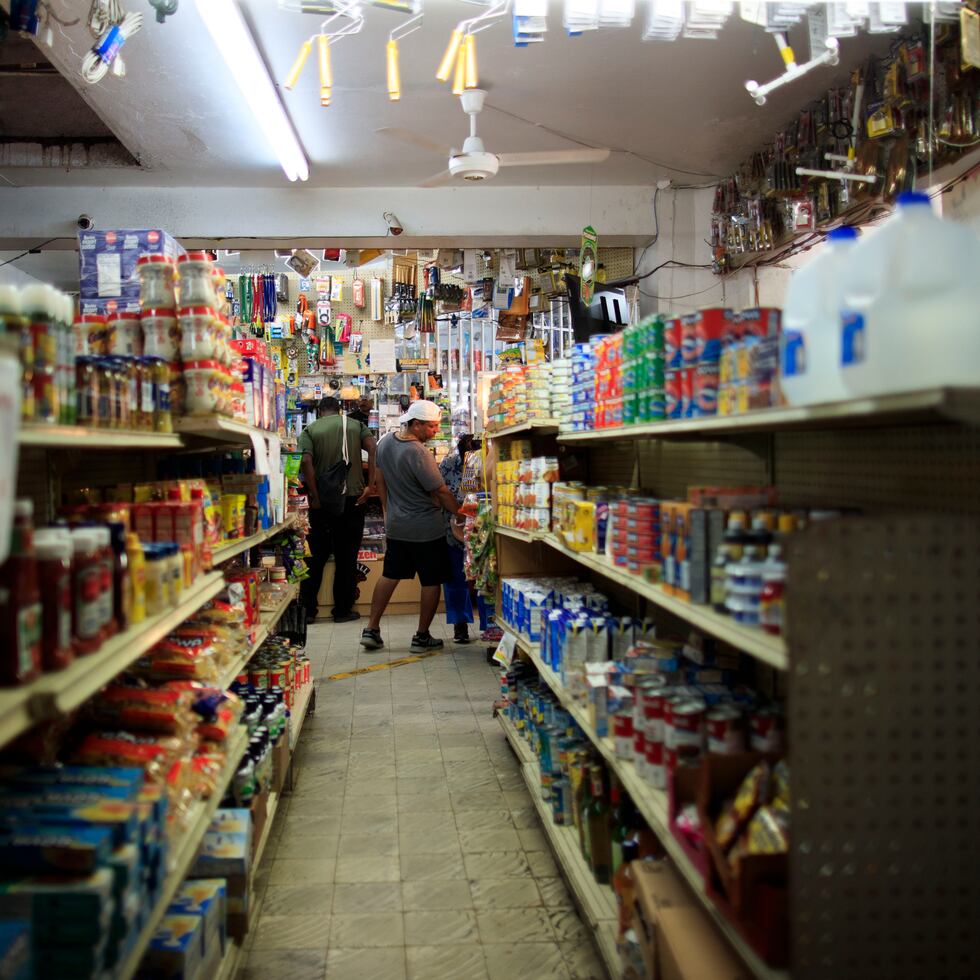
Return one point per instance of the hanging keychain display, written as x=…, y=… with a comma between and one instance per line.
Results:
x=292, y=364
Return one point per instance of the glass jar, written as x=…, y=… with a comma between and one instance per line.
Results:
x=35, y=305
x=89, y=331
x=143, y=416
x=161, y=335
x=155, y=582
x=178, y=388
x=124, y=335
x=194, y=279
x=15, y=335
x=86, y=391
x=159, y=377
x=198, y=336
x=156, y=274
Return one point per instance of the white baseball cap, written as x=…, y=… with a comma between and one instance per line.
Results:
x=422, y=410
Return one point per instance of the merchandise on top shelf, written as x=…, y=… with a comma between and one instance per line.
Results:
x=810, y=354
x=581, y=418
x=608, y=351
x=910, y=314
x=643, y=366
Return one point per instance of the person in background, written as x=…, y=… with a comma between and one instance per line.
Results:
x=363, y=411
x=414, y=496
x=322, y=446
x=459, y=607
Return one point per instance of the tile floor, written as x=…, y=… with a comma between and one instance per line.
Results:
x=409, y=847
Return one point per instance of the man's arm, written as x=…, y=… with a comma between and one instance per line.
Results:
x=309, y=480
x=446, y=499
x=371, y=445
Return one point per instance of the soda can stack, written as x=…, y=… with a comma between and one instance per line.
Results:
x=634, y=533
x=652, y=404
x=608, y=381
x=689, y=363
x=711, y=327
x=673, y=364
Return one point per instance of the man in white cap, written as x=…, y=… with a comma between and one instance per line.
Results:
x=413, y=495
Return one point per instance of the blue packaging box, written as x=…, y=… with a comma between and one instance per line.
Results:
x=107, y=266
x=15, y=950
x=176, y=951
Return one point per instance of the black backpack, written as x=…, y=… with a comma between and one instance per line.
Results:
x=331, y=484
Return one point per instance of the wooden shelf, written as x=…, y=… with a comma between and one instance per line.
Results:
x=756, y=643
x=55, y=694
x=298, y=714
x=200, y=819
x=84, y=437
x=518, y=534
x=232, y=548
x=267, y=621
x=912, y=408
x=540, y=426
x=653, y=806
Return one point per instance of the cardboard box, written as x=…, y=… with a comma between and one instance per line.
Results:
x=107, y=266
x=689, y=947
x=176, y=951
x=207, y=898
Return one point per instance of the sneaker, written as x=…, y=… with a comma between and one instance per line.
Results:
x=347, y=617
x=422, y=642
x=371, y=639
x=461, y=633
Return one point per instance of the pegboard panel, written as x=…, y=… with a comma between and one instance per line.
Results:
x=669, y=468
x=934, y=468
x=884, y=748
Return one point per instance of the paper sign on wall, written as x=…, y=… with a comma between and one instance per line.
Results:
x=383, y=357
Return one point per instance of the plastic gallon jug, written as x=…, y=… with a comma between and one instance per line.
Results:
x=810, y=357
x=910, y=310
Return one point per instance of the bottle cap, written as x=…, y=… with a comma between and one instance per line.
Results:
x=908, y=198
x=846, y=233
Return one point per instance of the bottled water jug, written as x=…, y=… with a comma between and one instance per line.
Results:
x=910, y=312
x=810, y=358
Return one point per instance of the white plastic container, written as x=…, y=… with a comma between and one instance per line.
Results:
x=198, y=333
x=161, y=335
x=810, y=356
x=204, y=382
x=910, y=312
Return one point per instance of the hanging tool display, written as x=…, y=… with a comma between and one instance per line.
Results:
x=426, y=315
x=270, y=304
x=111, y=25
x=305, y=320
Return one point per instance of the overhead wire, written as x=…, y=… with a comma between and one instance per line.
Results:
x=32, y=250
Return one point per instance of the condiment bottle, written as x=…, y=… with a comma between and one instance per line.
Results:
x=54, y=553
x=120, y=575
x=86, y=591
x=20, y=603
x=107, y=613
x=137, y=578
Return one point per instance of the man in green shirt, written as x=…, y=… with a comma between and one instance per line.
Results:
x=322, y=446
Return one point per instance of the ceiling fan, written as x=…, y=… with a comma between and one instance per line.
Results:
x=474, y=163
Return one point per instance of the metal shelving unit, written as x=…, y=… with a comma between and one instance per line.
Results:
x=913, y=408
x=52, y=695
x=652, y=804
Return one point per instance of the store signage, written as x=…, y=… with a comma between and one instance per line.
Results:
x=588, y=262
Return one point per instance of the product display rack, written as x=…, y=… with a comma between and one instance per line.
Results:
x=596, y=902
x=219, y=429
x=55, y=694
x=232, y=548
x=198, y=823
x=651, y=802
x=267, y=622
x=913, y=408
x=42, y=436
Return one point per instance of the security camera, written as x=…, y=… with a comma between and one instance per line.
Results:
x=394, y=225
x=84, y=222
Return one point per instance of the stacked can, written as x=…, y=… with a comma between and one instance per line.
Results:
x=634, y=533
x=643, y=371
x=583, y=387
x=684, y=731
x=712, y=328
x=278, y=664
x=689, y=363
x=608, y=381
x=539, y=390
x=673, y=364
x=561, y=391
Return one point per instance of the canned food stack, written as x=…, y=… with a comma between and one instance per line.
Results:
x=508, y=402
x=561, y=391
x=524, y=492
x=583, y=388
x=539, y=391
x=608, y=381
x=634, y=534
x=643, y=371
x=278, y=665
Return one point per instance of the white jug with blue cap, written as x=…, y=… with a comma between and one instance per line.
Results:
x=910, y=311
x=810, y=358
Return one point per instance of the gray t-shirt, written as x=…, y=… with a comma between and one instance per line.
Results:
x=411, y=474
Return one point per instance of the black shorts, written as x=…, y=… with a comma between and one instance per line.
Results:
x=427, y=559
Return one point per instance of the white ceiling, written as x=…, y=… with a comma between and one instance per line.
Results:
x=660, y=106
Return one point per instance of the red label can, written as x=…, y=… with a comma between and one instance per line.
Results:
x=725, y=735
x=656, y=772
x=765, y=731
x=672, y=394
x=623, y=733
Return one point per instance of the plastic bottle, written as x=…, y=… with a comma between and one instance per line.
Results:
x=54, y=552
x=910, y=313
x=20, y=603
x=87, y=609
x=137, y=578
x=810, y=362
x=35, y=305
x=121, y=594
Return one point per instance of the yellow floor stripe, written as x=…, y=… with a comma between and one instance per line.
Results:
x=413, y=659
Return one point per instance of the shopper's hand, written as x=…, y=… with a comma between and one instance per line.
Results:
x=314, y=505
x=366, y=494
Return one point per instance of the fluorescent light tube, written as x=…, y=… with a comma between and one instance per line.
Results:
x=233, y=39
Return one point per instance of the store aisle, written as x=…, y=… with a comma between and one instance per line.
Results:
x=409, y=847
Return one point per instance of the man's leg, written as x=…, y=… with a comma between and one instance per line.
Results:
x=347, y=532
x=383, y=590
x=428, y=605
x=319, y=553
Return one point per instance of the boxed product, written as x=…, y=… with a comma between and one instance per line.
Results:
x=207, y=898
x=176, y=951
x=15, y=950
x=108, y=282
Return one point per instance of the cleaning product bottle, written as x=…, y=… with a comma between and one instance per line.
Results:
x=810, y=343
x=910, y=313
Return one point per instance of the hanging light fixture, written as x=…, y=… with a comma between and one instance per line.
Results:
x=394, y=80
x=294, y=72
x=459, y=77
x=449, y=58
x=469, y=54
